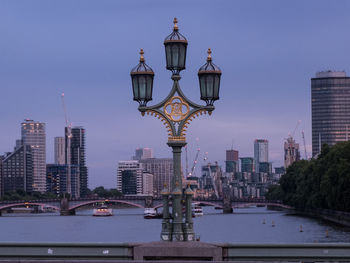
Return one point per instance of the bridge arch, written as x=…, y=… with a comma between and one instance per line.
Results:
x=72, y=208
x=3, y=207
x=239, y=205
x=197, y=202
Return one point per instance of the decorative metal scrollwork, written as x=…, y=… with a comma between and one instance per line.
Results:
x=176, y=109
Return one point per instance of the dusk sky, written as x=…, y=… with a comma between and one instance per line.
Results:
x=267, y=51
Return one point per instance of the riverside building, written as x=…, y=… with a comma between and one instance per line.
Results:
x=33, y=134
x=330, y=105
x=57, y=179
x=17, y=169
x=162, y=170
x=78, y=156
x=129, y=177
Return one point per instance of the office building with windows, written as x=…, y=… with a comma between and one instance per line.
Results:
x=129, y=177
x=261, y=152
x=247, y=165
x=143, y=153
x=33, y=134
x=78, y=156
x=17, y=169
x=232, y=161
x=162, y=170
x=330, y=106
x=60, y=150
x=57, y=179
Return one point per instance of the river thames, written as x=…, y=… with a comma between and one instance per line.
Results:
x=128, y=225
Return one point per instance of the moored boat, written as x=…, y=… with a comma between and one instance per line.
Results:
x=151, y=213
x=197, y=210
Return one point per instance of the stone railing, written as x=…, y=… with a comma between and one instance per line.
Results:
x=172, y=252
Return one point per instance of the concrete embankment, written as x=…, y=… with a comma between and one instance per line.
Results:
x=338, y=217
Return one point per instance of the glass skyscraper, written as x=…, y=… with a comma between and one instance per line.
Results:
x=330, y=100
x=33, y=134
x=261, y=152
x=78, y=156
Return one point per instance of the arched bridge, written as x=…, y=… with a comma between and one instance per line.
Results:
x=68, y=207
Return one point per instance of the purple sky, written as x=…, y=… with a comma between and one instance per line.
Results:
x=267, y=51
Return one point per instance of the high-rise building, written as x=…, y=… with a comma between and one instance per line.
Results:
x=232, y=161
x=18, y=170
x=162, y=170
x=265, y=167
x=147, y=183
x=261, y=152
x=330, y=100
x=291, y=152
x=129, y=177
x=33, y=134
x=247, y=165
x=143, y=153
x=78, y=157
x=57, y=179
x=60, y=150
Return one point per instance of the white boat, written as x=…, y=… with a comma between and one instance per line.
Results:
x=103, y=211
x=197, y=210
x=150, y=213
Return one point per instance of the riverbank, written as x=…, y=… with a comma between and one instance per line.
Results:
x=337, y=217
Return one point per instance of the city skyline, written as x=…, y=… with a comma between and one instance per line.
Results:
x=93, y=67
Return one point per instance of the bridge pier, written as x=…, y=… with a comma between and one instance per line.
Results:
x=148, y=201
x=227, y=201
x=64, y=205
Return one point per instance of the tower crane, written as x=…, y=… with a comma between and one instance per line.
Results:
x=68, y=146
x=194, y=163
x=213, y=181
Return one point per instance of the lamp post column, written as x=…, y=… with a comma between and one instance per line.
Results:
x=177, y=223
x=166, y=226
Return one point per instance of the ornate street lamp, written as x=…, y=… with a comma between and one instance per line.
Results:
x=176, y=112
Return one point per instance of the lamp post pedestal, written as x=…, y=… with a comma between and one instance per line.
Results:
x=177, y=223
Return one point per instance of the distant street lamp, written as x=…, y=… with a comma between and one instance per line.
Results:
x=176, y=112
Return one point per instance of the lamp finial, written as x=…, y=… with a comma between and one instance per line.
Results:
x=176, y=28
x=142, y=59
x=209, y=55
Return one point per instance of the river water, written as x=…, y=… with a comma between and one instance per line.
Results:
x=128, y=225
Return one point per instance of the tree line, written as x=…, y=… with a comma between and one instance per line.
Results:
x=22, y=195
x=322, y=183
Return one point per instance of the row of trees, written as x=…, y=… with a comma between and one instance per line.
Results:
x=22, y=195
x=319, y=183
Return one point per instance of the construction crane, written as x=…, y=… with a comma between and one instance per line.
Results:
x=194, y=163
x=213, y=181
x=302, y=133
x=69, y=136
x=292, y=135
